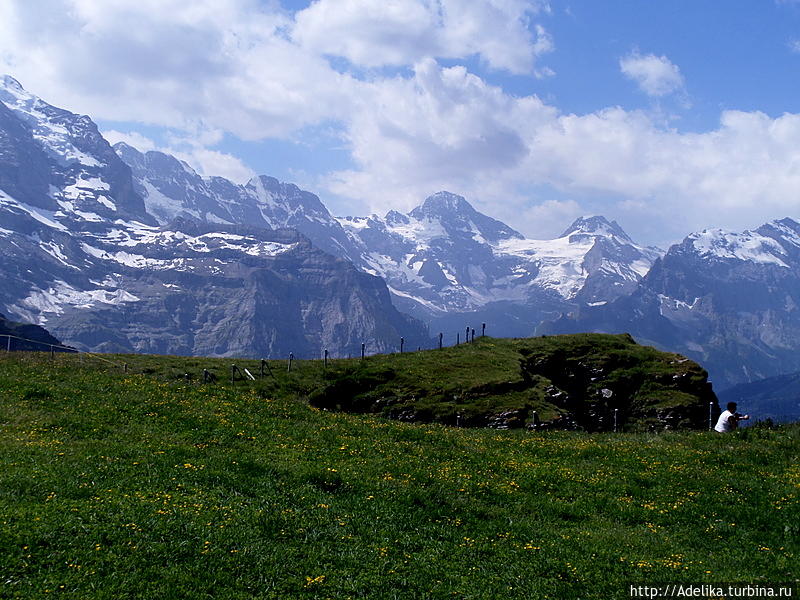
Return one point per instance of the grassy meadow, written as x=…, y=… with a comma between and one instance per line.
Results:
x=148, y=485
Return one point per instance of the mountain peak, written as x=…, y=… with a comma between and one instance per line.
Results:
x=441, y=204
x=595, y=225
x=13, y=94
x=7, y=81
x=125, y=147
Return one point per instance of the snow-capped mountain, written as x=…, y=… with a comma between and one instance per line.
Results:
x=443, y=261
x=729, y=300
x=82, y=255
x=57, y=162
x=171, y=189
x=446, y=257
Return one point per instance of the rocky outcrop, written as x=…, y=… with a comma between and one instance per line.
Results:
x=603, y=382
x=592, y=382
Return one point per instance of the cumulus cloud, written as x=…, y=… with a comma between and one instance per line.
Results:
x=441, y=128
x=445, y=128
x=403, y=32
x=225, y=65
x=655, y=75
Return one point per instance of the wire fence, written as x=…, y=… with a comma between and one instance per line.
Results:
x=10, y=345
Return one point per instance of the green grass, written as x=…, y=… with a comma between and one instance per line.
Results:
x=136, y=485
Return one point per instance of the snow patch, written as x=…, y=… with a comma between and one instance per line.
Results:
x=61, y=294
x=746, y=246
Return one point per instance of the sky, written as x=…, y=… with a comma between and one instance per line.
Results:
x=669, y=116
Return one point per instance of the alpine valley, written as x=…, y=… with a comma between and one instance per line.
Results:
x=113, y=249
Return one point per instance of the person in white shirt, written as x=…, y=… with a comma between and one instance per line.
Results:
x=729, y=419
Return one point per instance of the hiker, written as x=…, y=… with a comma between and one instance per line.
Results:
x=729, y=419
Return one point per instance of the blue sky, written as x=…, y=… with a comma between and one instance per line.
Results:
x=666, y=116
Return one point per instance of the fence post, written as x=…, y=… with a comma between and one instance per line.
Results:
x=363, y=350
x=233, y=373
x=205, y=376
x=402, y=342
x=483, y=330
x=325, y=359
x=262, y=367
x=289, y=366
x=710, y=415
x=458, y=339
x=473, y=335
x=616, y=413
x=440, y=340
x=52, y=352
x=125, y=367
x=466, y=336
x=8, y=344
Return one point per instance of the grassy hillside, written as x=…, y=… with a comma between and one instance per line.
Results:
x=495, y=382
x=117, y=485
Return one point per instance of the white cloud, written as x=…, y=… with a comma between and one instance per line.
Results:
x=548, y=218
x=247, y=68
x=794, y=46
x=205, y=64
x=444, y=127
x=655, y=75
x=448, y=129
x=403, y=32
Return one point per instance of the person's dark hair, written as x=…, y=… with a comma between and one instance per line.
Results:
x=732, y=406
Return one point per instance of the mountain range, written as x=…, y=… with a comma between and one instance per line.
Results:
x=83, y=256
x=444, y=262
x=114, y=249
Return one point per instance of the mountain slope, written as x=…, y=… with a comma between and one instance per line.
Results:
x=25, y=336
x=448, y=264
x=171, y=189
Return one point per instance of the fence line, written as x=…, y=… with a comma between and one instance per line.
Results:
x=247, y=375
x=54, y=347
